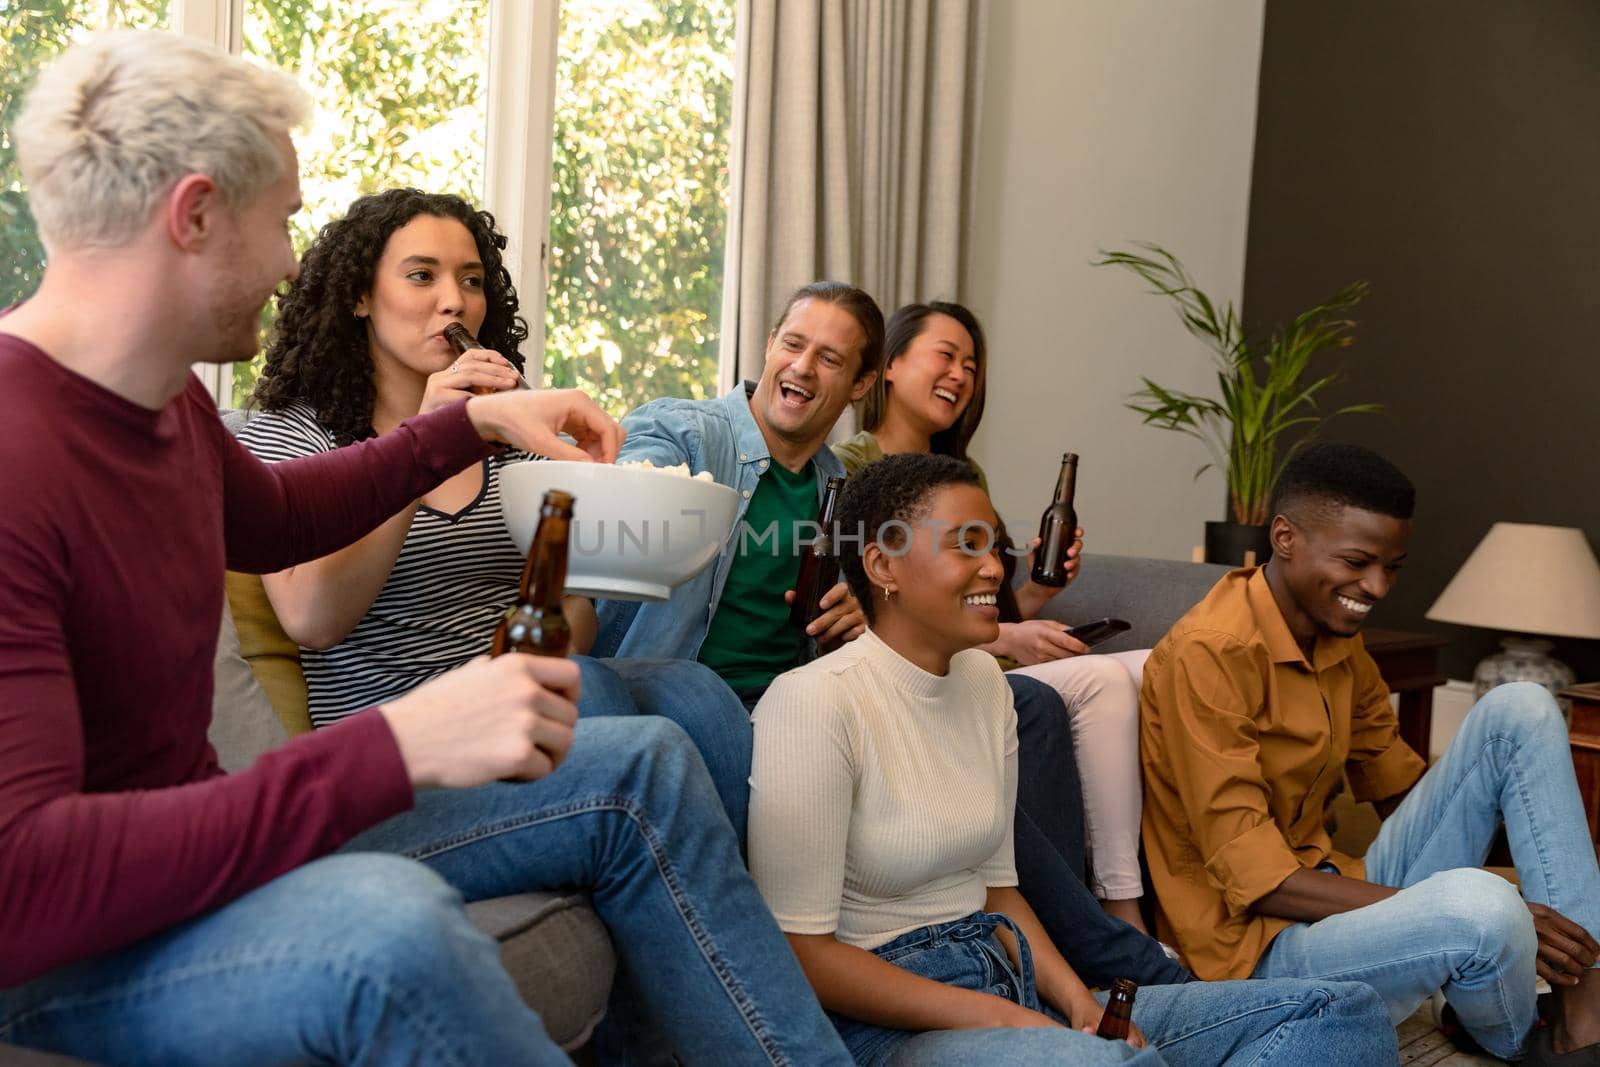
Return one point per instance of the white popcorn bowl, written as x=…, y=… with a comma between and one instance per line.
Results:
x=636, y=532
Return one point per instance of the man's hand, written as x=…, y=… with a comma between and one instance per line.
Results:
x=1565, y=949
x=508, y=717
x=1038, y=641
x=842, y=618
x=531, y=419
x=478, y=368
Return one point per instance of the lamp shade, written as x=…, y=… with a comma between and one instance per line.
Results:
x=1526, y=579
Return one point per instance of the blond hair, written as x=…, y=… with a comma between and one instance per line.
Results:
x=116, y=120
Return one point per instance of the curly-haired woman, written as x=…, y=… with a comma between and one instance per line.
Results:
x=357, y=347
x=882, y=791
x=929, y=398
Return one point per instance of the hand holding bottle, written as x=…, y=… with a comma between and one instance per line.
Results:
x=479, y=373
x=510, y=717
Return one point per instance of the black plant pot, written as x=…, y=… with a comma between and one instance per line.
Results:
x=1227, y=542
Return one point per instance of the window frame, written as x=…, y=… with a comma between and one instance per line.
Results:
x=519, y=140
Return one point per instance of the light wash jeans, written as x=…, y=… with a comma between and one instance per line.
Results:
x=368, y=959
x=357, y=959
x=1289, y=1021
x=1452, y=926
x=691, y=695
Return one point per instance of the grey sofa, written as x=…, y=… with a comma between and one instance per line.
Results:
x=1152, y=594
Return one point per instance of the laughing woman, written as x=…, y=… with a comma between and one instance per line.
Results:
x=880, y=830
x=357, y=347
x=930, y=398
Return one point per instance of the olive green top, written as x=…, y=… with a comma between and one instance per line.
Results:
x=863, y=448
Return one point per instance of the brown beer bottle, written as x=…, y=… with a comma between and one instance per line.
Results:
x=1057, y=528
x=1118, y=1015
x=535, y=623
x=463, y=342
x=819, y=564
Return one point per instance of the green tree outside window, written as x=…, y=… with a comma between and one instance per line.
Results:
x=32, y=32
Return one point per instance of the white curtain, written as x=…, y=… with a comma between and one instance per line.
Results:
x=854, y=152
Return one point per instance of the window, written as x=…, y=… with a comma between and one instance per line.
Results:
x=399, y=90
x=32, y=35
x=639, y=198
x=598, y=127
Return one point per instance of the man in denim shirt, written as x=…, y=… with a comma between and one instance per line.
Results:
x=768, y=442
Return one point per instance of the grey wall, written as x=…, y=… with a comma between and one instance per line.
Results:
x=1450, y=153
x=1104, y=122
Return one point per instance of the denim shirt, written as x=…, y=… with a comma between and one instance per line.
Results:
x=720, y=436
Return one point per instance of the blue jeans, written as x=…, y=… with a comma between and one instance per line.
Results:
x=691, y=695
x=631, y=815
x=350, y=959
x=1200, y=1023
x=1452, y=926
x=1049, y=847
x=368, y=958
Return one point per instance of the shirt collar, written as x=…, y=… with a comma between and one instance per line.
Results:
x=747, y=435
x=1281, y=644
x=752, y=444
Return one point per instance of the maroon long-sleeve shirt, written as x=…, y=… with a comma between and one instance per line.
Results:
x=116, y=523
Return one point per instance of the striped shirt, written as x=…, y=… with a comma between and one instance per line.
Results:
x=455, y=577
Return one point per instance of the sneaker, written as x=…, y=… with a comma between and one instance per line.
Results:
x=1449, y=1024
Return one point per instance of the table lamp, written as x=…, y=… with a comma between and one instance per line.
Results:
x=1527, y=580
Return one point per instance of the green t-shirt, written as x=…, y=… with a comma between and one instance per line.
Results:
x=750, y=641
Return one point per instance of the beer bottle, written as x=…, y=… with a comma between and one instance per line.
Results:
x=535, y=623
x=463, y=342
x=819, y=564
x=1058, y=528
x=1118, y=1015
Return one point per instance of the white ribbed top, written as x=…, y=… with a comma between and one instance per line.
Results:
x=881, y=796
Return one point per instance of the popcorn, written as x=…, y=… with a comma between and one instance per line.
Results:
x=680, y=469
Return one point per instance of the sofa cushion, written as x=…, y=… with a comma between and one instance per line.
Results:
x=1152, y=594
x=243, y=723
x=553, y=944
x=270, y=653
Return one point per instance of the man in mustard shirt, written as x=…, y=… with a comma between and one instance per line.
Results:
x=1256, y=706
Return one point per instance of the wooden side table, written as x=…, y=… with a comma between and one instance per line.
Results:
x=1584, y=733
x=1409, y=663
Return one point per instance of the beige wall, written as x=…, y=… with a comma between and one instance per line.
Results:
x=1106, y=121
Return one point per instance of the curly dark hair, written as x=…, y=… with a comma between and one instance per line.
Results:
x=318, y=354
x=895, y=489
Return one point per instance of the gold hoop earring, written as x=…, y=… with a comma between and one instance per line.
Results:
x=888, y=594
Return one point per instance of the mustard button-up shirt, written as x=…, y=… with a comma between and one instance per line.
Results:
x=1243, y=742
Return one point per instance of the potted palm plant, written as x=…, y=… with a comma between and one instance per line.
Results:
x=1268, y=399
